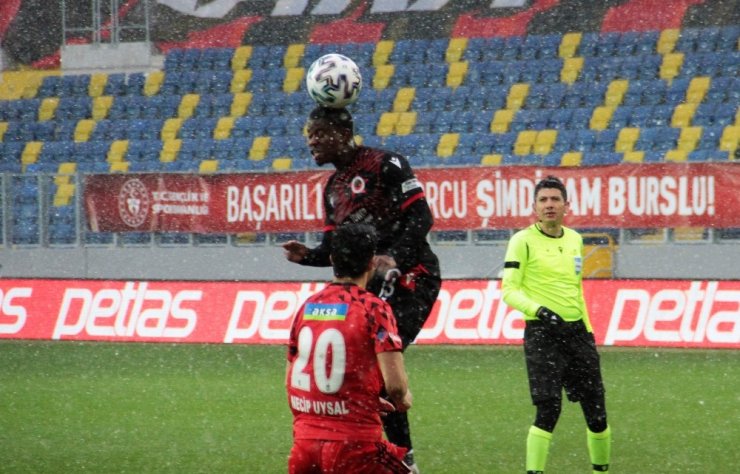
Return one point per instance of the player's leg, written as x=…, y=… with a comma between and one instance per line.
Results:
x=583, y=383
x=379, y=457
x=545, y=366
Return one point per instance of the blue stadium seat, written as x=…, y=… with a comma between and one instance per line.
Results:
x=584, y=140
x=620, y=117
x=115, y=84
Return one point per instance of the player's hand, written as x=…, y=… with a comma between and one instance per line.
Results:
x=549, y=316
x=294, y=251
x=386, y=406
x=384, y=264
x=406, y=403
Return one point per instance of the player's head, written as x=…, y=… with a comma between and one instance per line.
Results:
x=330, y=134
x=550, y=200
x=551, y=182
x=352, y=249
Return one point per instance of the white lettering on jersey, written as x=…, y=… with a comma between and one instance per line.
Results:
x=410, y=184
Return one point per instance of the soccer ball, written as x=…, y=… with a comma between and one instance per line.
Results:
x=334, y=81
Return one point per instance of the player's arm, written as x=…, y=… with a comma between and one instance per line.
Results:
x=297, y=252
x=584, y=307
x=515, y=266
x=416, y=218
x=395, y=379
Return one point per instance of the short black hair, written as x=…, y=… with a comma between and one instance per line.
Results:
x=352, y=248
x=339, y=117
x=551, y=182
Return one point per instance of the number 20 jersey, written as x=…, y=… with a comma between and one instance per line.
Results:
x=333, y=378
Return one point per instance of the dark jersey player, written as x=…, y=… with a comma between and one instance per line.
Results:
x=378, y=188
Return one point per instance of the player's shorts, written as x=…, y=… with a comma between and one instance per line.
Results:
x=412, y=303
x=309, y=456
x=563, y=358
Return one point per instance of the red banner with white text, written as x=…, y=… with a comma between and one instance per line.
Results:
x=620, y=196
x=669, y=313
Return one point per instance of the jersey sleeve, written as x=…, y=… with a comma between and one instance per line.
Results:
x=386, y=331
x=515, y=266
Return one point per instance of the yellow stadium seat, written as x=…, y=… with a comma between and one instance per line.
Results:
x=598, y=255
x=187, y=105
x=403, y=99
x=569, y=44
x=682, y=115
x=517, y=95
x=524, y=142
x=64, y=194
x=698, y=88
x=571, y=158
x=240, y=80
x=667, y=40
x=170, y=150
x=447, y=144
x=729, y=139
x=626, y=139
x=171, y=128
x=688, y=138
x=689, y=234
x=240, y=57
x=97, y=84
x=67, y=168
x=208, y=166
x=223, y=128
x=3, y=129
x=671, y=65
x=282, y=164
x=100, y=107
x=456, y=74
x=293, y=55
x=240, y=104
x=571, y=70
x=31, y=152
x=48, y=108
x=678, y=156
x=153, y=82
x=21, y=84
x=492, y=159
x=383, y=75
x=117, y=151
x=387, y=123
x=615, y=92
x=544, y=142
x=601, y=117
x=634, y=157
x=455, y=49
x=293, y=79
x=83, y=130
x=406, y=123
x=382, y=52
x=119, y=167
x=260, y=145
x=501, y=120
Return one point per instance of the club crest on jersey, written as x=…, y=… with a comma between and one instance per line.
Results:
x=396, y=161
x=325, y=311
x=357, y=186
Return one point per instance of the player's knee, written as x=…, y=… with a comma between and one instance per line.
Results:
x=548, y=413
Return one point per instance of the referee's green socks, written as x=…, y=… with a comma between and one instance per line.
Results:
x=599, y=449
x=538, y=445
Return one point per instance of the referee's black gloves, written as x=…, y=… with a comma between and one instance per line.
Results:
x=549, y=316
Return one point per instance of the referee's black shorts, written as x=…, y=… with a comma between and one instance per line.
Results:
x=562, y=358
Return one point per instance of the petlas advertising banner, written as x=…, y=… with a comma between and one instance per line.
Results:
x=645, y=195
x=668, y=313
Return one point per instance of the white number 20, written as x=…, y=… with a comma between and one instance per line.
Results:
x=328, y=377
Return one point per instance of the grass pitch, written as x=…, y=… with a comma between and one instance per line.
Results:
x=104, y=408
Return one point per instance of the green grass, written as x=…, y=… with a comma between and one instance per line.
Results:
x=99, y=408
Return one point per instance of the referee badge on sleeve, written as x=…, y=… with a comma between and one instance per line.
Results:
x=578, y=261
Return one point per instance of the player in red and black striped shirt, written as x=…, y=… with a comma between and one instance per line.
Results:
x=343, y=348
x=379, y=188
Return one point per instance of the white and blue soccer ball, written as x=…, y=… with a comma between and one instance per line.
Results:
x=334, y=81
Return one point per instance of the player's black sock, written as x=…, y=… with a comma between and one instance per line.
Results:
x=396, y=425
x=600, y=467
x=535, y=472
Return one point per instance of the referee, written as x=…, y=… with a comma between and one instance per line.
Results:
x=543, y=279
